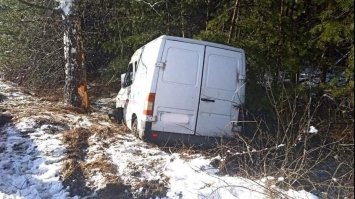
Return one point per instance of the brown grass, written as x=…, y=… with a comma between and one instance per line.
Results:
x=50, y=95
x=103, y=165
x=152, y=189
x=106, y=133
x=72, y=176
x=76, y=171
x=77, y=141
x=77, y=110
x=72, y=173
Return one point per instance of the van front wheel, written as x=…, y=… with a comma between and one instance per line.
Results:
x=135, y=127
x=116, y=115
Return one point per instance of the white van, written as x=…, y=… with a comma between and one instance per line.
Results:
x=179, y=89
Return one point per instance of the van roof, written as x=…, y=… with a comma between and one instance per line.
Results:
x=194, y=41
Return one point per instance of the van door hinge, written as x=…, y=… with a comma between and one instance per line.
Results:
x=160, y=64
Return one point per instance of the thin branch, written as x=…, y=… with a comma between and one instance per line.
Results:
x=152, y=5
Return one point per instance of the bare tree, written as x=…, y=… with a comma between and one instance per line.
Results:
x=75, y=89
x=235, y=17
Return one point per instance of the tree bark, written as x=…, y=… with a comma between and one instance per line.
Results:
x=207, y=14
x=234, y=20
x=75, y=89
x=182, y=16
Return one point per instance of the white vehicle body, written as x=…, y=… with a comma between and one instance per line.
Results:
x=178, y=86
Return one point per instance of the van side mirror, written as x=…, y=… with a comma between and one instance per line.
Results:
x=123, y=77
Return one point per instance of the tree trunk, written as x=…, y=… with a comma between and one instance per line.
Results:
x=207, y=14
x=75, y=89
x=234, y=20
x=182, y=16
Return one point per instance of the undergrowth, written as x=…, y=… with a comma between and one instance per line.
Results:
x=310, y=146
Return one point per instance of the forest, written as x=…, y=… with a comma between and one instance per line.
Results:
x=293, y=48
x=280, y=37
x=300, y=60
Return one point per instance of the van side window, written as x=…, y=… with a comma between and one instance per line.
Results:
x=135, y=66
x=129, y=75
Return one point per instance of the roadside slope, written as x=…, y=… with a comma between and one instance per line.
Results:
x=49, y=150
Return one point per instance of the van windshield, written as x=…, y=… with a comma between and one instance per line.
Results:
x=129, y=76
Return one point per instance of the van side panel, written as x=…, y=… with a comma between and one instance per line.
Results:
x=178, y=87
x=222, y=92
x=143, y=81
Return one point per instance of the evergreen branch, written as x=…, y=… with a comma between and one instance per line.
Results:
x=36, y=5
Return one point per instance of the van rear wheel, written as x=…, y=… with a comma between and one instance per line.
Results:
x=135, y=131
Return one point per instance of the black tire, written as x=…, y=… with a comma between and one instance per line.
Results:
x=119, y=116
x=116, y=115
x=135, y=127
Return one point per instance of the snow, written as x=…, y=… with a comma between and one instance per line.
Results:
x=280, y=179
x=300, y=194
x=193, y=178
x=313, y=130
x=29, y=166
x=65, y=6
x=197, y=179
x=33, y=153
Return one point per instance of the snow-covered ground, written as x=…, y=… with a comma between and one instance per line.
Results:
x=35, y=157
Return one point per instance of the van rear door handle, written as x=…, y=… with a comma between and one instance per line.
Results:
x=206, y=100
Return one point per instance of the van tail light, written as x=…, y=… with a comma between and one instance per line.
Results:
x=155, y=135
x=149, y=104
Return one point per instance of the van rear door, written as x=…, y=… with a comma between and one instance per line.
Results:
x=222, y=90
x=178, y=87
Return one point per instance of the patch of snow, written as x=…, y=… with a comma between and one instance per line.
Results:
x=65, y=6
x=300, y=194
x=30, y=165
x=196, y=178
x=136, y=161
x=280, y=179
x=313, y=130
x=280, y=145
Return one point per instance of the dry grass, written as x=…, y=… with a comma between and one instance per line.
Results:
x=322, y=163
x=72, y=173
x=49, y=94
x=108, y=132
x=72, y=176
x=103, y=165
x=71, y=109
x=77, y=141
x=152, y=189
x=76, y=171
